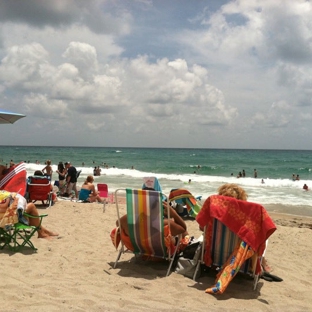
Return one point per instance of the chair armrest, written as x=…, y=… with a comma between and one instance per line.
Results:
x=36, y=217
x=31, y=216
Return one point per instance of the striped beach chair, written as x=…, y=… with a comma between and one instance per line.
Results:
x=145, y=220
x=223, y=243
x=235, y=235
x=184, y=197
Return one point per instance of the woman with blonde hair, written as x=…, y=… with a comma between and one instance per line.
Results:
x=88, y=192
x=233, y=190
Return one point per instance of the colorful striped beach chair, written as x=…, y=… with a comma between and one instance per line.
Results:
x=146, y=226
x=235, y=236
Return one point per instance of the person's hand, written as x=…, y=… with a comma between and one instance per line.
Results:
x=166, y=206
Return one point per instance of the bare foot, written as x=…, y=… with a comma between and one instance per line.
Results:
x=50, y=233
x=44, y=235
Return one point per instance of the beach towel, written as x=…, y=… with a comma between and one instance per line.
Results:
x=152, y=183
x=249, y=221
x=15, y=179
x=9, y=217
x=231, y=267
x=187, y=199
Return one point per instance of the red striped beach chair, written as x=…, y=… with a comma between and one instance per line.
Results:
x=146, y=226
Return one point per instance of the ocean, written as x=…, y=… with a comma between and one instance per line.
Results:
x=206, y=168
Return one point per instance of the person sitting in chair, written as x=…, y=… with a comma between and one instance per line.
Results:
x=88, y=192
x=19, y=203
x=233, y=190
x=177, y=226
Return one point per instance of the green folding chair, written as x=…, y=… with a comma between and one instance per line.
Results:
x=18, y=235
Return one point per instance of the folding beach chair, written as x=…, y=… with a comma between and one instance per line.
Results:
x=103, y=192
x=146, y=225
x=39, y=188
x=235, y=234
x=17, y=236
x=185, y=198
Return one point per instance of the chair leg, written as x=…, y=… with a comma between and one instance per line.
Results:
x=25, y=237
x=196, y=270
x=5, y=238
x=49, y=203
x=121, y=250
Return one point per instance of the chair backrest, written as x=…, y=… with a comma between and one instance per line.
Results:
x=222, y=245
x=151, y=182
x=184, y=197
x=145, y=222
x=102, y=189
x=38, y=187
x=230, y=222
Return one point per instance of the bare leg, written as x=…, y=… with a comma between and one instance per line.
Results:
x=94, y=198
x=42, y=232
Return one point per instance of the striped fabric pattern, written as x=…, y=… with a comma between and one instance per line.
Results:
x=15, y=179
x=145, y=222
x=184, y=196
x=224, y=242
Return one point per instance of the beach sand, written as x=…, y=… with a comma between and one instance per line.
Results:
x=74, y=272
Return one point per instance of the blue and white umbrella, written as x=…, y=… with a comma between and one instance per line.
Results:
x=9, y=117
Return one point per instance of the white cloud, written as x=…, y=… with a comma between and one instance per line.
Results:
x=239, y=71
x=84, y=57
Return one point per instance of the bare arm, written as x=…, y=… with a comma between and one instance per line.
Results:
x=177, y=225
x=94, y=192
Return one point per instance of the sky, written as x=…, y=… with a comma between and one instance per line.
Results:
x=148, y=73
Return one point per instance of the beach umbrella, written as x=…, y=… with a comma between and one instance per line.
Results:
x=9, y=117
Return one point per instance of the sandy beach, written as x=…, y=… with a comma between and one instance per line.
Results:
x=74, y=272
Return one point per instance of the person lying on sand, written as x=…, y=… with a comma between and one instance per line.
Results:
x=17, y=201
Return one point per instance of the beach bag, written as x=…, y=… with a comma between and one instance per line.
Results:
x=188, y=259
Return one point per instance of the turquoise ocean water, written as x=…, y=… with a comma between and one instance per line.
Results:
x=207, y=169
